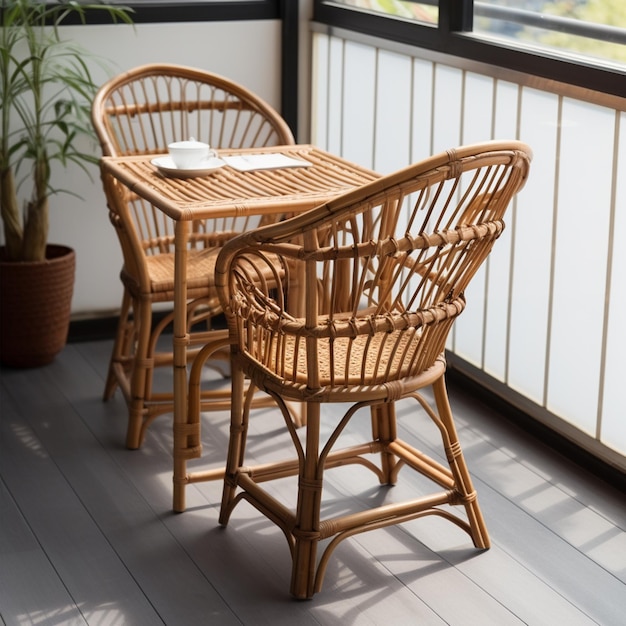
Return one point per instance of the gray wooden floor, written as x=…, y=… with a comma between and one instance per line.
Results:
x=87, y=535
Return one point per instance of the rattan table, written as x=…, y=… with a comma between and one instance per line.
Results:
x=225, y=192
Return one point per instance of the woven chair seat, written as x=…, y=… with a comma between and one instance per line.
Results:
x=365, y=369
x=200, y=274
x=200, y=271
x=364, y=360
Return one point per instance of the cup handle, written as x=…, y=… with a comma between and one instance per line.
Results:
x=212, y=154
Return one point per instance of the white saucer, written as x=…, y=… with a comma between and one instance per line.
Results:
x=166, y=166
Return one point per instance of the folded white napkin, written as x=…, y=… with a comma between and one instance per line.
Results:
x=270, y=161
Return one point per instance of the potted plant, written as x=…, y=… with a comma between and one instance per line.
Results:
x=45, y=95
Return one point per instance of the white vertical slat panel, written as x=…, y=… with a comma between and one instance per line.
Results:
x=582, y=237
x=393, y=112
x=447, y=108
x=499, y=262
x=394, y=90
x=477, y=108
x=530, y=293
x=319, y=89
x=477, y=127
x=613, y=430
x=422, y=110
x=447, y=115
x=335, y=96
x=359, y=103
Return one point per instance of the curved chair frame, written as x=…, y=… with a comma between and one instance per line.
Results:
x=141, y=112
x=384, y=270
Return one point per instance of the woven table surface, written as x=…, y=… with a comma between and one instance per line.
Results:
x=228, y=192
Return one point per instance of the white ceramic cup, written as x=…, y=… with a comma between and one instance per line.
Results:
x=190, y=154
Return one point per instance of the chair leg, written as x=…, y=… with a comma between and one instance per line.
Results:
x=141, y=372
x=303, y=531
x=130, y=352
x=456, y=460
x=121, y=347
x=307, y=529
x=384, y=430
x=187, y=436
x=236, y=444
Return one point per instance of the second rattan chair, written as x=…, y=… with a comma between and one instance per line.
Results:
x=383, y=270
x=141, y=112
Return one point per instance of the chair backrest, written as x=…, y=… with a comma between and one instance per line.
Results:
x=146, y=108
x=143, y=110
x=379, y=273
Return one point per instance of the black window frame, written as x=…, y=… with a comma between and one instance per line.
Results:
x=155, y=11
x=453, y=35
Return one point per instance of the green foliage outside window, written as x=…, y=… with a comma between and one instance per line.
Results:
x=397, y=8
x=607, y=12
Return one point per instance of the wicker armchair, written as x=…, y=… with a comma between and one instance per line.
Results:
x=384, y=269
x=141, y=112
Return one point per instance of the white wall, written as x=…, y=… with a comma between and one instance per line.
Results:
x=248, y=52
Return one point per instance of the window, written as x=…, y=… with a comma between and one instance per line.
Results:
x=580, y=42
x=585, y=28
x=426, y=12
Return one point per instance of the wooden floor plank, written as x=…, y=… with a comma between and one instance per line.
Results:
x=24, y=567
x=252, y=554
x=486, y=583
x=539, y=458
x=136, y=537
x=577, y=600
x=515, y=499
x=558, y=534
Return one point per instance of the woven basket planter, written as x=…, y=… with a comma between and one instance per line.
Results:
x=35, y=307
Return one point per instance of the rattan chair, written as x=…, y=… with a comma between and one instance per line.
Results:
x=384, y=270
x=141, y=112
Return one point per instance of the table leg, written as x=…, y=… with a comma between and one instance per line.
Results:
x=181, y=341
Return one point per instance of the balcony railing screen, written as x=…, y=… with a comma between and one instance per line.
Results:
x=545, y=323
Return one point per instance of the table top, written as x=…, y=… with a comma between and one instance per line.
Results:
x=228, y=191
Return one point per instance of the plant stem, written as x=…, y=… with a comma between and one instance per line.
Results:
x=10, y=216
